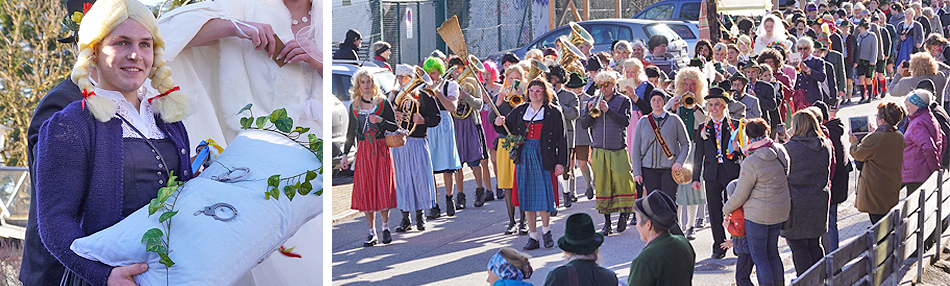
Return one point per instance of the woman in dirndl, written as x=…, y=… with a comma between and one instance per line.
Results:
x=442, y=147
x=542, y=157
x=417, y=111
x=374, y=183
x=505, y=176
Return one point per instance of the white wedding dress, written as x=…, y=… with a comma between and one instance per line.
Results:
x=225, y=76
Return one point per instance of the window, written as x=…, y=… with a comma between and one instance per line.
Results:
x=659, y=12
x=683, y=31
x=548, y=41
x=689, y=11
x=607, y=34
x=341, y=87
x=660, y=29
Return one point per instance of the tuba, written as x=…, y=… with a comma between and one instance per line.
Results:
x=568, y=56
x=579, y=35
x=536, y=69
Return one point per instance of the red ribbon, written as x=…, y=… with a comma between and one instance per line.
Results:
x=164, y=94
x=288, y=253
x=85, y=95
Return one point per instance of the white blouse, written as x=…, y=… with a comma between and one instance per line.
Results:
x=143, y=119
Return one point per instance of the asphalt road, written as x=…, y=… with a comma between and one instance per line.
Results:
x=455, y=250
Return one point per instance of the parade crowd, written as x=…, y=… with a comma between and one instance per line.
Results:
x=745, y=132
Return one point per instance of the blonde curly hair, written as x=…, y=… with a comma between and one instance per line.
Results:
x=355, y=92
x=101, y=19
x=696, y=75
x=922, y=64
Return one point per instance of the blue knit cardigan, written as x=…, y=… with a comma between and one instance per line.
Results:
x=79, y=188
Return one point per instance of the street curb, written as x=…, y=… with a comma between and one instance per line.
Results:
x=344, y=215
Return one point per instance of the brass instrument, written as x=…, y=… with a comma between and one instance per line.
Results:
x=595, y=110
x=468, y=80
x=508, y=91
x=442, y=81
x=536, y=69
x=579, y=35
x=568, y=56
x=689, y=100
x=406, y=103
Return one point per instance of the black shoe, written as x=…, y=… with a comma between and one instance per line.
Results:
x=512, y=228
x=387, y=237
x=622, y=222
x=405, y=226
x=690, y=234
x=370, y=240
x=548, y=240
x=522, y=228
x=718, y=255
x=554, y=212
x=434, y=212
x=573, y=197
x=567, y=200
x=532, y=244
x=420, y=222
x=699, y=223
x=590, y=192
x=607, y=229
x=633, y=220
x=479, y=197
x=500, y=194
x=449, y=205
x=489, y=196
x=460, y=201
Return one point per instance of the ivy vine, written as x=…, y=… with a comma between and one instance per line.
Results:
x=155, y=239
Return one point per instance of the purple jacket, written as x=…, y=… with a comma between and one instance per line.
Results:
x=923, y=147
x=79, y=182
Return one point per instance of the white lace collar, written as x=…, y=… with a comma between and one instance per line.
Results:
x=143, y=119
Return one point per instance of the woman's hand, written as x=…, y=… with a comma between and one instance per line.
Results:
x=804, y=68
x=293, y=53
x=558, y=170
x=343, y=163
x=631, y=93
x=697, y=185
x=638, y=179
x=499, y=121
x=851, y=137
x=261, y=36
x=677, y=167
x=375, y=119
x=418, y=119
x=122, y=276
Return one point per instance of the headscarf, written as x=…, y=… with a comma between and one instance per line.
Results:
x=501, y=267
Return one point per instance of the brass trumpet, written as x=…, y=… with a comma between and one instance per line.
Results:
x=595, y=110
x=689, y=100
x=508, y=90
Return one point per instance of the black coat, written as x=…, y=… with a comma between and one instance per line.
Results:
x=347, y=51
x=705, y=157
x=839, y=180
x=38, y=266
x=553, y=138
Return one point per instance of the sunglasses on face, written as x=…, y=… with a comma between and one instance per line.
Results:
x=604, y=85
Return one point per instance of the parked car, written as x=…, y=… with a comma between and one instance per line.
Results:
x=687, y=30
x=341, y=83
x=605, y=32
x=682, y=10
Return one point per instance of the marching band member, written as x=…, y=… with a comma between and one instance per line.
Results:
x=442, y=148
x=543, y=155
x=469, y=136
x=415, y=190
x=690, y=83
x=569, y=106
x=374, y=188
x=609, y=158
x=506, y=167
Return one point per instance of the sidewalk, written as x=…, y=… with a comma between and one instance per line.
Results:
x=455, y=250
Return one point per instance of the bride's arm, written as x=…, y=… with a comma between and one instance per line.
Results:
x=260, y=34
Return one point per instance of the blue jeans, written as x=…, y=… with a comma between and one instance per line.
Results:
x=763, y=244
x=832, y=243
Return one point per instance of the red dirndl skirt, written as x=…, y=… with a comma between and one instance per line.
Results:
x=374, y=182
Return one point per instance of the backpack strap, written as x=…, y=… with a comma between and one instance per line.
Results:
x=572, y=275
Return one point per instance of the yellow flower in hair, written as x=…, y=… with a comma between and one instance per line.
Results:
x=76, y=17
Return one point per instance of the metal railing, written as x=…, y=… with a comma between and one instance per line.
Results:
x=911, y=227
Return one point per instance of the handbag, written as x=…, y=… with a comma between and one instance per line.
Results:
x=396, y=139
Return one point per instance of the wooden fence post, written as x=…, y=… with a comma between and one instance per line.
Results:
x=939, y=231
x=921, y=218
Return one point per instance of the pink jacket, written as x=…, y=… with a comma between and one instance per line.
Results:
x=924, y=144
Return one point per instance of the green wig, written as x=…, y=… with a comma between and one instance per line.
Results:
x=433, y=63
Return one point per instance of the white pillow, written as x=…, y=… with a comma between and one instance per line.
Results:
x=207, y=251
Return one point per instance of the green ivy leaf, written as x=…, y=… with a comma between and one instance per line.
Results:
x=152, y=233
x=320, y=192
x=246, y=108
x=153, y=206
x=165, y=260
x=278, y=115
x=245, y=122
x=172, y=179
x=153, y=240
x=261, y=121
x=284, y=124
x=301, y=130
x=305, y=188
x=312, y=138
x=274, y=180
x=311, y=175
x=167, y=215
x=290, y=192
x=267, y=195
x=165, y=193
x=275, y=193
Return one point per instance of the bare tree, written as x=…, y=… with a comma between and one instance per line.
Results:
x=31, y=63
